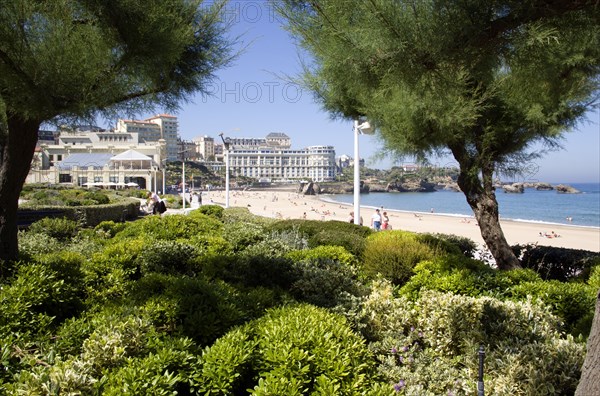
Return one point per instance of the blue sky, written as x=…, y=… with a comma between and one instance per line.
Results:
x=252, y=98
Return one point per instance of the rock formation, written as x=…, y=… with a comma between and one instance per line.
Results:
x=515, y=188
x=566, y=189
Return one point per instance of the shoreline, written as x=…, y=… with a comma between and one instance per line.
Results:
x=325, y=198
x=289, y=204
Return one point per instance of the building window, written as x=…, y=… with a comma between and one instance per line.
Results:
x=64, y=178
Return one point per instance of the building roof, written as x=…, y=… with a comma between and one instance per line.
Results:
x=273, y=135
x=85, y=160
x=131, y=155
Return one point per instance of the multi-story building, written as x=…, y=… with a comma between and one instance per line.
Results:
x=107, y=158
x=205, y=147
x=271, y=159
x=170, y=132
x=186, y=150
x=161, y=126
x=315, y=163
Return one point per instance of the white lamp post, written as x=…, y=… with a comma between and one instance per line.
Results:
x=364, y=128
x=183, y=176
x=226, y=147
x=183, y=181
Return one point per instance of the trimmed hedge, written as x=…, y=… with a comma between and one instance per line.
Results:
x=87, y=216
x=560, y=264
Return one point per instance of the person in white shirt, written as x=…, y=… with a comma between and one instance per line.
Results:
x=158, y=206
x=376, y=220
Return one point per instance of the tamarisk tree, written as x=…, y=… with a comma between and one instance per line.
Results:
x=485, y=81
x=68, y=59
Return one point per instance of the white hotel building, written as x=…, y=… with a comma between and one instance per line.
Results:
x=272, y=160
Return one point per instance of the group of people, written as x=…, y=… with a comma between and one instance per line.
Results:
x=552, y=234
x=155, y=203
x=379, y=221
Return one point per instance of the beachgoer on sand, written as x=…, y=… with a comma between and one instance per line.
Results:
x=376, y=220
x=386, y=222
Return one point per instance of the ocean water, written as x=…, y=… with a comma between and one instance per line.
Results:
x=534, y=206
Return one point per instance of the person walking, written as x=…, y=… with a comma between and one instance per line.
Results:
x=385, y=225
x=376, y=220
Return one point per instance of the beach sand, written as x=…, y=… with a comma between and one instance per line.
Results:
x=291, y=205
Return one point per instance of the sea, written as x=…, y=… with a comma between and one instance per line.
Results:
x=551, y=207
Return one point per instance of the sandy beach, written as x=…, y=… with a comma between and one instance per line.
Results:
x=291, y=205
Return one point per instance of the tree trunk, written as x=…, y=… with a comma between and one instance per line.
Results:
x=482, y=200
x=589, y=384
x=17, y=147
x=485, y=208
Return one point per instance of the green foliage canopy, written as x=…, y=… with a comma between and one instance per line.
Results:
x=483, y=80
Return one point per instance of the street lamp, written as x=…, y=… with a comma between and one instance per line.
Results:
x=364, y=128
x=226, y=146
x=183, y=176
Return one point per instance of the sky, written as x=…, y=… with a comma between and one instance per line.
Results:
x=253, y=98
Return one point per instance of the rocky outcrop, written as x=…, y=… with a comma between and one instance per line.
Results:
x=543, y=186
x=412, y=186
x=310, y=188
x=453, y=186
x=515, y=188
x=566, y=189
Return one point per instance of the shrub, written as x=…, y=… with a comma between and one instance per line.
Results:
x=594, y=280
x=31, y=244
x=109, y=272
x=225, y=367
x=97, y=197
x=110, y=227
x=429, y=346
x=325, y=282
x=171, y=227
x=290, y=351
x=115, y=339
x=163, y=372
x=461, y=275
x=335, y=253
x=572, y=302
x=33, y=297
x=451, y=244
x=215, y=211
x=68, y=269
x=64, y=377
x=243, y=215
x=242, y=235
x=168, y=257
x=557, y=263
x=333, y=232
x=60, y=229
x=259, y=270
x=201, y=309
x=306, y=350
x=393, y=255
